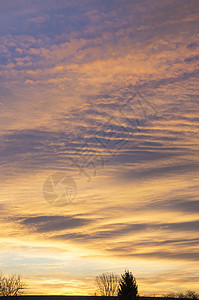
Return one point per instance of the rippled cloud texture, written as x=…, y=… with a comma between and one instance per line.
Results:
x=116, y=81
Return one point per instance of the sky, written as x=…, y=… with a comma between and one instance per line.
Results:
x=99, y=141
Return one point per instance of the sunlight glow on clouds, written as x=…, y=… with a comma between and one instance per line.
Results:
x=67, y=70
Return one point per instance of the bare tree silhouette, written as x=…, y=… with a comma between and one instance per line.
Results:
x=186, y=295
x=11, y=285
x=107, y=284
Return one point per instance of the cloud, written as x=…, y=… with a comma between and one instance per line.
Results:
x=39, y=20
x=69, y=73
x=44, y=224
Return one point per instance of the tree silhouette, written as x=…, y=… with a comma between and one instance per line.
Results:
x=11, y=285
x=128, y=289
x=186, y=295
x=107, y=284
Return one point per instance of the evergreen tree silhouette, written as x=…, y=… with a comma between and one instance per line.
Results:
x=128, y=289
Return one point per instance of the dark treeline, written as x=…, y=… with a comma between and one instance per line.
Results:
x=108, y=286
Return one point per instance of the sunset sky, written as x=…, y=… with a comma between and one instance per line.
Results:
x=104, y=92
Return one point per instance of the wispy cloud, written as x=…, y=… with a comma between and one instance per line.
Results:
x=69, y=75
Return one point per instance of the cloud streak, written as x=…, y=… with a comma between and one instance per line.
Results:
x=112, y=89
